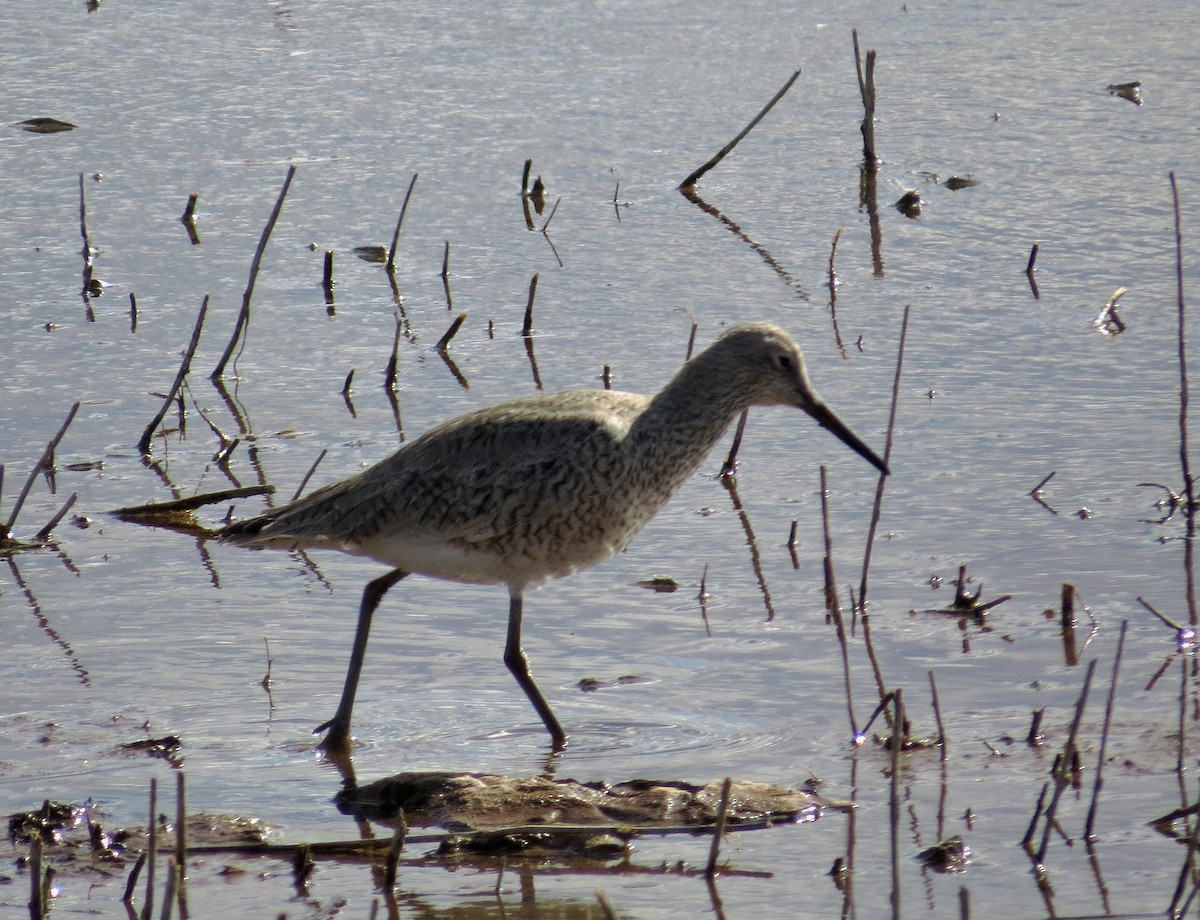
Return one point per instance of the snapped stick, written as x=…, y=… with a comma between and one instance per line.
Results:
x=243, y=319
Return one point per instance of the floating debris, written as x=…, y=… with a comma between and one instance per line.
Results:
x=910, y=204
x=376, y=254
x=592, y=684
x=954, y=183
x=949, y=855
x=167, y=747
x=1131, y=91
x=663, y=584
x=480, y=801
x=44, y=125
x=1109, y=322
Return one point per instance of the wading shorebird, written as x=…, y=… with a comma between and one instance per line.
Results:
x=538, y=488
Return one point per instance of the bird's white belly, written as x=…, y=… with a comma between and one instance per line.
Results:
x=482, y=564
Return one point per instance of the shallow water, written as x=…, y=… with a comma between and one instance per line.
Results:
x=126, y=630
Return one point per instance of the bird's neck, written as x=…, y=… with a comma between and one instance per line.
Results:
x=682, y=424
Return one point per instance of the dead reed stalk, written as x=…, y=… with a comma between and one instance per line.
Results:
x=877, y=508
x=391, y=260
x=243, y=319
x=184, y=367
x=692, y=179
x=866, y=89
x=44, y=462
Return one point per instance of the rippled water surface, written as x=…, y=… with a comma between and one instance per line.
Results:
x=116, y=631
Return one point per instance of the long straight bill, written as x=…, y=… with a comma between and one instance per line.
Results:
x=827, y=420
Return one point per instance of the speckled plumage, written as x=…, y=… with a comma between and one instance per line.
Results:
x=540, y=487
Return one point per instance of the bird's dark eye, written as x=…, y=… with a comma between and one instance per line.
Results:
x=785, y=362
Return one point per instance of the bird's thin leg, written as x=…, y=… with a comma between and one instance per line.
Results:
x=338, y=739
x=518, y=664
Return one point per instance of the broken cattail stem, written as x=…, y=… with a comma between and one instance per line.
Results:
x=132, y=313
x=132, y=881
x=606, y=906
x=1184, y=457
x=527, y=326
x=1068, y=625
x=525, y=177
x=446, y=262
x=170, y=888
x=391, y=261
x=151, y=850
x=877, y=508
x=1109, y=706
x=37, y=468
x=302, y=866
x=37, y=909
x=1031, y=266
x=243, y=318
x=553, y=211
x=393, y=365
x=312, y=469
x=44, y=534
x=444, y=341
x=606, y=376
x=1181, y=747
x=937, y=715
x=181, y=843
x=894, y=810
x=393, y=855
x=831, y=597
x=1060, y=778
x=832, y=255
x=791, y=545
x=189, y=212
x=839, y=624
x=184, y=367
x=327, y=277
x=87, y=241
x=866, y=88
x=692, y=179
x=1034, y=737
x=691, y=340
x=1036, y=490
x=1027, y=840
x=729, y=467
x=192, y=502
x=718, y=829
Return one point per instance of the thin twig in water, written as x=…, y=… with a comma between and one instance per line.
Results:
x=877, y=508
x=866, y=89
x=43, y=460
x=391, y=260
x=527, y=326
x=1184, y=460
x=444, y=341
x=553, y=211
x=312, y=469
x=394, y=850
x=87, y=245
x=719, y=829
x=44, y=534
x=937, y=714
x=151, y=850
x=691, y=180
x=729, y=468
x=243, y=318
x=1063, y=763
x=1098, y=782
x=184, y=367
x=897, y=748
